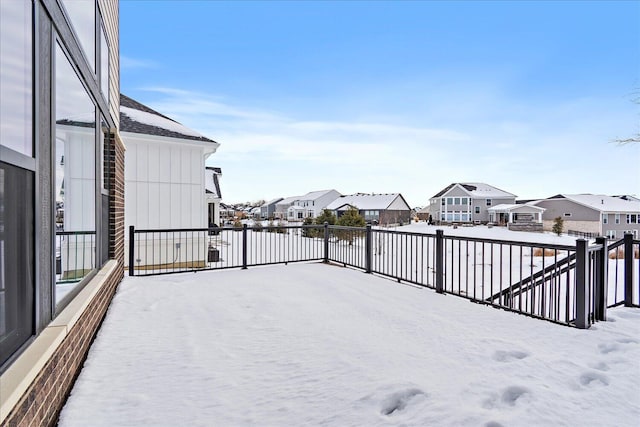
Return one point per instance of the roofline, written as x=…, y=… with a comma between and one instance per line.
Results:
x=157, y=138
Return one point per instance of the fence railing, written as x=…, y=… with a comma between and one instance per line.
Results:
x=582, y=234
x=75, y=255
x=571, y=285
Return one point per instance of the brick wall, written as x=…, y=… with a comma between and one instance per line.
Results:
x=116, y=198
x=40, y=405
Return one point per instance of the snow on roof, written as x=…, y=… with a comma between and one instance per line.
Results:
x=504, y=207
x=478, y=190
x=288, y=200
x=271, y=202
x=138, y=118
x=364, y=201
x=601, y=202
x=313, y=195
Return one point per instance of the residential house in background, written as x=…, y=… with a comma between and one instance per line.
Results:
x=311, y=204
x=268, y=209
x=164, y=178
x=283, y=205
x=467, y=202
x=384, y=209
x=596, y=214
x=213, y=195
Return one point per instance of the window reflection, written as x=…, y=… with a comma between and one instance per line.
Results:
x=104, y=65
x=15, y=79
x=82, y=14
x=75, y=184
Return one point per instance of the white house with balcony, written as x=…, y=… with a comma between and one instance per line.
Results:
x=468, y=202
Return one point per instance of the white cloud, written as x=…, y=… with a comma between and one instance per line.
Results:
x=267, y=154
x=127, y=63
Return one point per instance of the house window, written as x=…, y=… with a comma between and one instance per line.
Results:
x=75, y=178
x=456, y=201
x=611, y=234
x=449, y=200
x=477, y=209
x=82, y=17
x=17, y=179
x=488, y=202
x=617, y=218
x=104, y=64
x=16, y=258
x=299, y=215
x=442, y=217
x=15, y=83
x=566, y=214
x=444, y=201
x=605, y=218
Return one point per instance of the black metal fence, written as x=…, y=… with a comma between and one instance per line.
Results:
x=582, y=234
x=571, y=285
x=75, y=255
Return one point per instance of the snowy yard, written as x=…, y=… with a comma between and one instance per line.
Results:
x=310, y=344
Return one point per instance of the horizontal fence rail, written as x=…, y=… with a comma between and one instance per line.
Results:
x=571, y=285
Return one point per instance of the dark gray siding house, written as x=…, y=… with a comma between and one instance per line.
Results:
x=467, y=202
x=383, y=209
x=593, y=213
x=268, y=209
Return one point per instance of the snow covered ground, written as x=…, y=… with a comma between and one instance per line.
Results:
x=311, y=344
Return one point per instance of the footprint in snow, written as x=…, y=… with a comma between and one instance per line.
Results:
x=600, y=366
x=508, y=356
x=596, y=378
x=399, y=400
x=510, y=395
x=493, y=424
x=608, y=348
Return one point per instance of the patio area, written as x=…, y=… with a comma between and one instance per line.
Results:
x=311, y=344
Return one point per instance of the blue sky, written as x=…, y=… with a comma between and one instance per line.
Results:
x=396, y=96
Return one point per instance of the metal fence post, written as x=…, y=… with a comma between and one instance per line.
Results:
x=601, y=285
x=368, y=249
x=244, y=246
x=582, y=303
x=439, y=261
x=131, y=249
x=628, y=270
x=326, y=242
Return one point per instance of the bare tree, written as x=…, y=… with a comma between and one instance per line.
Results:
x=635, y=138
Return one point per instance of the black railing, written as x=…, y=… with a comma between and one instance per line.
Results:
x=564, y=284
x=582, y=234
x=75, y=255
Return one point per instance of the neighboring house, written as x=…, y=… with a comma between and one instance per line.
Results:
x=268, y=208
x=283, y=205
x=311, y=204
x=423, y=214
x=517, y=217
x=213, y=196
x=164, y=175
x=467, y=202
x=61, y=196
x=226, y=213
x=386, y=209
x=593, y=213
